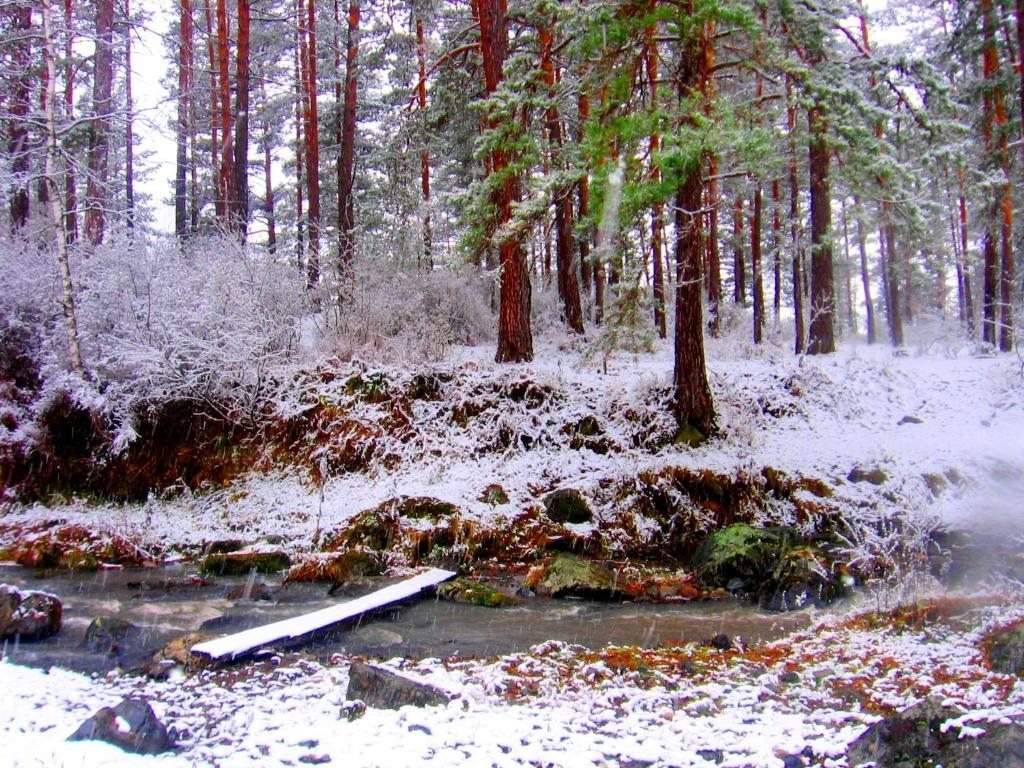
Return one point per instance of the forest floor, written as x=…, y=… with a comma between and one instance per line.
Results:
x=931, y=439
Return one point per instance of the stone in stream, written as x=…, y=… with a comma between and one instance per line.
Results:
x=131, y=725
x=385, y=689
x=918, y=736
x=28, y=615
x=112, y=636
x=568, y=575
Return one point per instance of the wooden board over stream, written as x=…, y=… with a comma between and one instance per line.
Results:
x=240, y=643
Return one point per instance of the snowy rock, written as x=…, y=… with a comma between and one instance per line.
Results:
x=28, y=615
x=875, y=475
x=567, y=505
x=131, y=725
x=922, y=735
x=385, y=689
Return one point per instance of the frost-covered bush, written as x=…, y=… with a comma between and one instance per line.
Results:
x=394, y=315
x=210, y=322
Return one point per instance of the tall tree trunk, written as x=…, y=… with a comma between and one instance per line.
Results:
x=346, y=159
x=739, y=271
x=225, y=175
x=968, y=293
x=794, y=221
x=568, y=286
x=311, y=125
x=20, y=104
x=70, y=181
x=129, y=125
x=657, y=208
x=55, y=204
x=755, y=264
x=708, y=94
x=268, y=166
x=821, y=338
x=847, y=273
x=776, y=251
x=694, y=406
x=865, y=277
x=515, y=338
x=96, y=195
x=421, y=98
x=584, y=202
x=311, y=267
x=215, y=118
x=181, y=134
x=240, y=175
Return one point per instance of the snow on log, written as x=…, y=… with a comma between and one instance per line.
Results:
x=232, y=646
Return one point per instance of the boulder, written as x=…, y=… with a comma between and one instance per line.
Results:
x=131, y=725
x=473, y=593
x=1006, y=650
x=916, y=737
x=108, y=635
x=567, y=505
x=875, y=475
x=28, y=615
x=243, y=563
x=568, y=575
x=385, y=689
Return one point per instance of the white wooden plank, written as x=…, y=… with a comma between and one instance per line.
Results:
x=239, y=643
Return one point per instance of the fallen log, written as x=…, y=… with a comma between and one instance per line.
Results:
x=232, y=646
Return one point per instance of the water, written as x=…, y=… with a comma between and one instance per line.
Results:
x=171, y=601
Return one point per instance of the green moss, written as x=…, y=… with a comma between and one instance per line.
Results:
x=242, y=563
x=569, y=575
x=689, y=435
x=738, y=551
x=473, y=593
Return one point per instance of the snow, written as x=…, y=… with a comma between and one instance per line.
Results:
x=232, y=646
x=558, y=705
x=562, y=705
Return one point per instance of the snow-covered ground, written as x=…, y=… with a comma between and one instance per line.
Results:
x=811, y=693
x=924, y=414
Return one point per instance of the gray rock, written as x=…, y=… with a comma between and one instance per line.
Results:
x=875, y=475
x=131, y=725
x=384, y=689
x=110, y=635
x=28, y=615
x=915, y=737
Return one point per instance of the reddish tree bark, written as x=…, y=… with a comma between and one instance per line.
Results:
x=694, y=406
x=99, y=139
x=421, y=99
x=755, y=264
x=311, y=126
x=794, y=220
x=584, y=203
x=739, y=272
x=568, y=286
x=714, y=266
x=346, y=158
x=515, y=337
x=215, y=118
x=225, y=174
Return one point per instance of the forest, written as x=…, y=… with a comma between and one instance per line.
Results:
x=656, y=166
x=663, y=355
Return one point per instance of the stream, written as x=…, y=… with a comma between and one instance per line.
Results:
x=170, y=601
